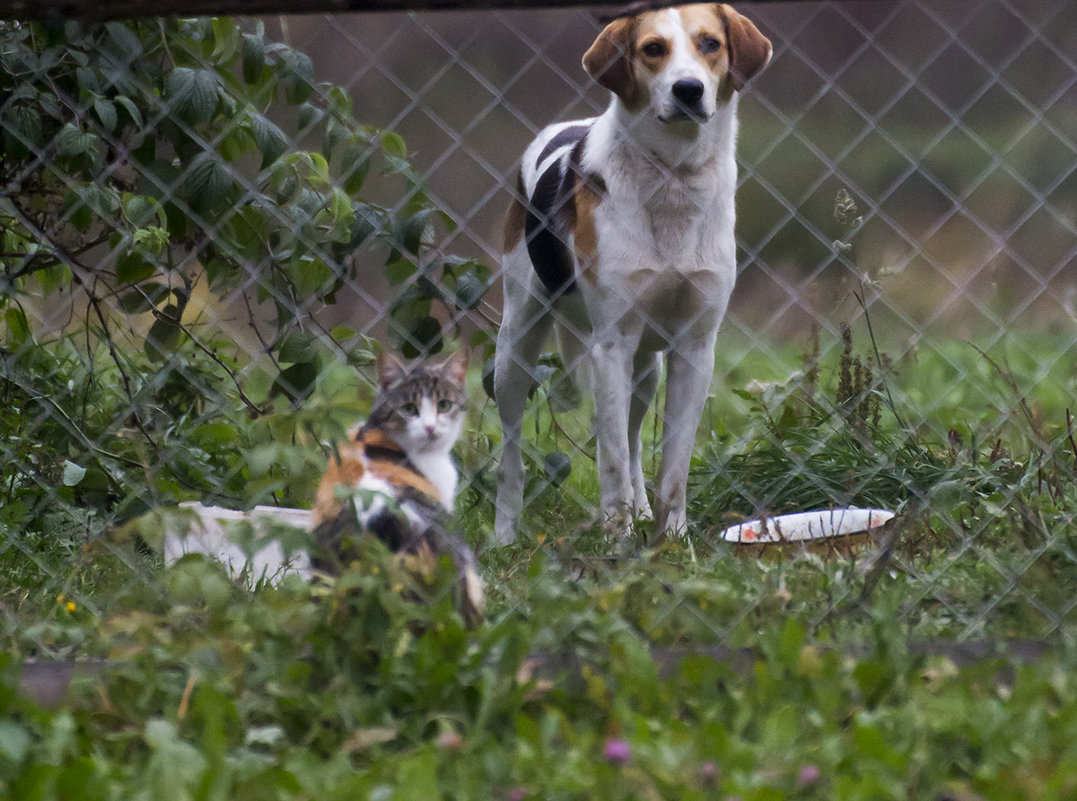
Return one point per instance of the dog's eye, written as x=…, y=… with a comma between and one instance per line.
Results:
x=654, y=49
x=708, y=44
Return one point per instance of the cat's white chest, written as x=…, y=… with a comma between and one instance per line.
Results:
x=439, y=471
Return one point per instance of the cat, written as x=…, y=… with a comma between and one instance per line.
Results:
x=395, y=477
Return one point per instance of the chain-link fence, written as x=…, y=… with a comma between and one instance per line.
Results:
x=206, y=225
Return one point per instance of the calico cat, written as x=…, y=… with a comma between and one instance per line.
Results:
x=395, y=477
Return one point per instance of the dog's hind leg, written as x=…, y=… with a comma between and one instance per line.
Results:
x=525, y=326
x=644, y=383
x=573, y=331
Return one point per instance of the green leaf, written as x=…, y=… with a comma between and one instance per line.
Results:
x=564, y=392
x=410, y=233
x=237, y=141
x=139, y=209
x=72, y=142
x=297, y=75
x=488, y=378
x=18, y=329
x=191, y=94
x=296, y=382
x=132, y=110
x=85, y=203
x=557, y=466
x=874, y=679
x=392, y=144
x=310, y=276
x=106, y=114
x=132, y=267
x=791, y=641
x=252, y=51
x=123, y=43
x=398, y=271
x=423, y=338
x=89, y=82
x=341, y=333
x=225, y=39
x=215, y=435
x=469, y=291
x=143, y=298
x=335, y=133
x=284, y=184
x=308, y=116
x=15, y=741
x=175, y=767
x=340, y=102
x=298, y=346
x=366, y=224
x=73, y=474
x=354, y=166
x=247, y=231
x=22, y=131
x=340, y=207
x=411, y=304
x=164, y=335
x=152, y=239
x=206, y=183
x=270, y=139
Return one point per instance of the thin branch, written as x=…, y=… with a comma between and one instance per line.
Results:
x=878, y=359
x=77, y=271
x=95, y=304
x=72, y=425
x=212, y=354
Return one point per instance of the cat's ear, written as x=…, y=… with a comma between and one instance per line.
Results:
x=456, y=366
x=391, y=368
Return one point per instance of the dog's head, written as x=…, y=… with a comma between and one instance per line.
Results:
x=677, y=63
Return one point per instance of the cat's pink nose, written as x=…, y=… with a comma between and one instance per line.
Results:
x=430, y=430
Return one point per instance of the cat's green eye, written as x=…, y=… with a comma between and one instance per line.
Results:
x=410, y=409
x=444, y=405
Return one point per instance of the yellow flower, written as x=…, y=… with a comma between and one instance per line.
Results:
x=70, y=606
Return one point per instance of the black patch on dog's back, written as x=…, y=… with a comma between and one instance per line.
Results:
x=569, y=136
x=551, y=213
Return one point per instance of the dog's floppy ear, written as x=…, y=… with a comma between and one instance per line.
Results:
x=749, y=50
x=609, y=61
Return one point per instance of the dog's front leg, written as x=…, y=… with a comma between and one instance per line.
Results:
x=690, y=367
x=613, y=356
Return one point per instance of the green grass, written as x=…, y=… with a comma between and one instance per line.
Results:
x=370, y=686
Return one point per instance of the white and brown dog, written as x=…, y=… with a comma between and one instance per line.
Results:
x=622, y=235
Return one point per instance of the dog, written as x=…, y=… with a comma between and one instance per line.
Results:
x=621, y=237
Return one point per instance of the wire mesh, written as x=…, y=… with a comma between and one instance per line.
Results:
x=206, y=227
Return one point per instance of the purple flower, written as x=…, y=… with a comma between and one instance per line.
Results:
x=450, y=740
x=517, y=794
x=618, y=752
x=809, y=774
x=708, y=772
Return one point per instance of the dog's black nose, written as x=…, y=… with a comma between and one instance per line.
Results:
x=688, y=92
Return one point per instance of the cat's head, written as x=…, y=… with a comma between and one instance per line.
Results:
x=420, y=404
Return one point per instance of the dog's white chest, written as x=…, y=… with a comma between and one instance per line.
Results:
x=675, y=232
